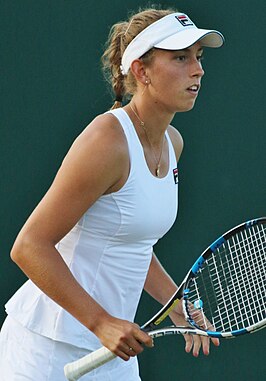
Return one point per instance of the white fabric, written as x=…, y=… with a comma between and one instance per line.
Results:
x=108, y=251
x=27, y=356
x=172, y=32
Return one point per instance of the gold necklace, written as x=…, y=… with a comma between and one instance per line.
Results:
x=157, y=161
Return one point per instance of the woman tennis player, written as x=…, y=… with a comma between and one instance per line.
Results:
x=87, y=248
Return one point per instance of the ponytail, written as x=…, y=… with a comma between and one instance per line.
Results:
x=121, y=34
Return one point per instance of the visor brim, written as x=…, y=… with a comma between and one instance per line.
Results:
x=186, y=38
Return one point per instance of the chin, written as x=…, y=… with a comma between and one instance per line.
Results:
x=185, y=108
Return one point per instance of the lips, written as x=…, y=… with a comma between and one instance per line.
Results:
x=194, y=88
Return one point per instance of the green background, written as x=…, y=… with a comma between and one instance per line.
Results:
x=52, y=86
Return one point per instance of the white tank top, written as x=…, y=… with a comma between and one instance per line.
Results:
x=109, y=250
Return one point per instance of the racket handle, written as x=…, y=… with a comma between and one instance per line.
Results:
x=74, y=370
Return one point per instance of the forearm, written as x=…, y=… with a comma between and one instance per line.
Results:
x=45, y=267
x=158, y=283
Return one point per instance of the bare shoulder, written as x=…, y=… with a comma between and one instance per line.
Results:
x=176, y=140
x=105, y=128
x=101, y=150
x=103, y=146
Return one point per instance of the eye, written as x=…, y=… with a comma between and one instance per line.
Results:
x=200, y=58
x=181, y=58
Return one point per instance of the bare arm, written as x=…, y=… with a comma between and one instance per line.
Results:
x=96, y=164
x=158, y=283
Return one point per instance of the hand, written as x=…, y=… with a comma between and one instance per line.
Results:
x=193, y=342
x=123, y=338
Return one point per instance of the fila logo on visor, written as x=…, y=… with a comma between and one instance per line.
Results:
x=184, y=20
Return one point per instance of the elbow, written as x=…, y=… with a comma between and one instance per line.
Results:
x=28, y=247
x=21, y=249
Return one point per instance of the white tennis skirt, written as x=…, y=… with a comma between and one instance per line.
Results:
x=27, y=356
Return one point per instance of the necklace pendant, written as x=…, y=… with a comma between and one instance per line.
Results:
x=157, y=172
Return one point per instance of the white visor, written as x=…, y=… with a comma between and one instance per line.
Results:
x=173, y=32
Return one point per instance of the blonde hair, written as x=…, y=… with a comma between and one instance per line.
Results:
x=121, y=34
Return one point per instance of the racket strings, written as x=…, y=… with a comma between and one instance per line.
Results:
x=257, y=282
x=243, y=296
x=232, y=283
x=246, y=298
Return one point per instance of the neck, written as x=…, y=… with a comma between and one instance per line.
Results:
x=156, y=121
x=155, y=146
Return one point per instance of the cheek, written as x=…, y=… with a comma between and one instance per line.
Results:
x=169, y=89
x=167, y=82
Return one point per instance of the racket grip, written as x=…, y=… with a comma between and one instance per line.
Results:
x=74, y=370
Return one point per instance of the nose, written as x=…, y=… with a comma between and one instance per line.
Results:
x=196, y=69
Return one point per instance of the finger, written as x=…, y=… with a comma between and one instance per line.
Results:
x=134, y=347
x=131, y=352
x=144, y=338
x=215, y=341
x=196, y=345
x=189, y=343
x=205, y=341
x=124, y=356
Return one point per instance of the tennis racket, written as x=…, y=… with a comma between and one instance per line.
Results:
x=223, y=294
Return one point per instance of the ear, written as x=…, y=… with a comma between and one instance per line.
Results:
x=139, y=71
